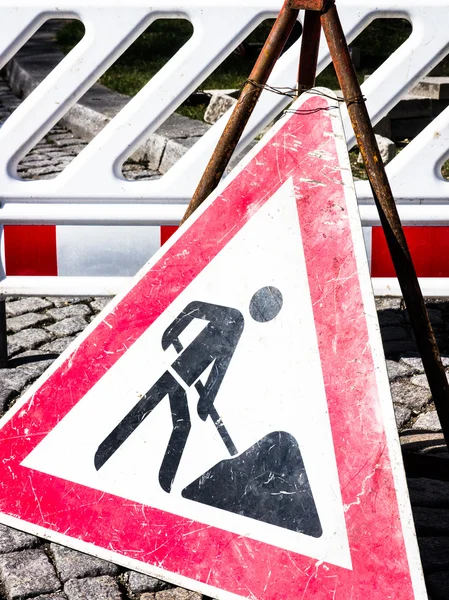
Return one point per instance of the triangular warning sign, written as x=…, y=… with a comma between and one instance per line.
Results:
x=226, y=424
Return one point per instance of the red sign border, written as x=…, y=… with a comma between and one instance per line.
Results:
x=207, y=558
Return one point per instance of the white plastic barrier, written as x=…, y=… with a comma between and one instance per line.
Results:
x=92, y=190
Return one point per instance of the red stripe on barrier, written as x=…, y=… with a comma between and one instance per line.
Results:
x=166, y=232
x=429, y=247
x=30, y=250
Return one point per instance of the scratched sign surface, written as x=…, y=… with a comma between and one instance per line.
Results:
x=226, y=423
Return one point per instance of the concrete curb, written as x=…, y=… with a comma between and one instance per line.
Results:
x=99, y=105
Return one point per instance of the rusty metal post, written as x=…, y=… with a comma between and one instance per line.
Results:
x=310, y=45
x=245, y=105
x=389, y=216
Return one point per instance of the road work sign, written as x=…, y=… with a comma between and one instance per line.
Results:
x=226, y=424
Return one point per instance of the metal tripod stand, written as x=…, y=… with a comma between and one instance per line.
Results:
x=322, y=14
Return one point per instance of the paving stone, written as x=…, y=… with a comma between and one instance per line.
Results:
x=95, y=588
x=428, y=492
x=385, y=303
x=15, y=379
x=59, y=301
x=434, y=553
x=147, y=596
x=6, y=395
x=27, y=339
x=74, y=310
x=438, y=585
x=13, y=539
x=71, y=564
x=402, y=415
x=26, y=305
x=57, y=346
x=59, y=596
x=67, y=326
x=178, y=594
x=428, y=421
x=412, y=396
x=138, y=583
x=16, y=324
x=420, y=380
x=396, y=370
x=413, y=362
x=431, y=521
x=27, y=573
x=98, y=304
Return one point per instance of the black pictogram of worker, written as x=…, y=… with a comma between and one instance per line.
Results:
x=214, y=345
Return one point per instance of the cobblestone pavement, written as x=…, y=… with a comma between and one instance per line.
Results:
x=39, y=329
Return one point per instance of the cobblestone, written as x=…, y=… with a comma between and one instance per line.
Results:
x=68, y=326
x=27, y=573
x=28, y=338
x=74, y=310
x=138, y=583
x=96, y=588
x=71, y=564
x=12, y=540
x=16, y=324
x=178, y=594
x=26, y=305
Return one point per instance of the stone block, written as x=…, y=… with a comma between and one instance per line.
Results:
x=98, y=304
x=26, y=340
x=414, y=362
x=219, y=104
x=402, y=415
x=59, y=301
x=74, y=310
x=178, y=594
x=412, y=396
x=174, y=150
x=177, y=126
x=71, y=564
x=151, y=151
x=27, y=573
x=12, y=540
x=57, y=346
x=25, y=321
x=138, y=583
x=93, y=588
x=26, y=305
x=396, y=370
x=428, y=422
x=67, y=327
x=436, y=88
x=386, y=303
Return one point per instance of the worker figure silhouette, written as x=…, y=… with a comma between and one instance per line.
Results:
x=215, y=345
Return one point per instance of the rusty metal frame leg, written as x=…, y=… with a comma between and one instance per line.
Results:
x=310, y=45
x=389, y=216
x=243, y=109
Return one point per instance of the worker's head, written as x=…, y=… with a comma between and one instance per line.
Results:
x=265, y=304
